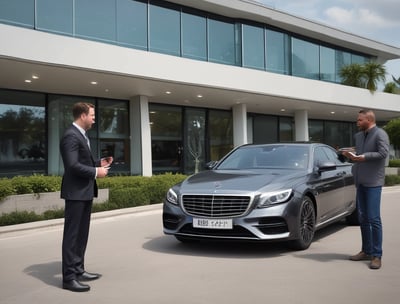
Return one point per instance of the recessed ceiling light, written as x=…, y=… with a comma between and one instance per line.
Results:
x=167, y=92
x=283, y=110
x=199, y=96
x=28, y=80
x=93, y=82
x=35, y=77
x=332, y=112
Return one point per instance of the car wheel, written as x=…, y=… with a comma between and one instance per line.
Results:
x=305, y=225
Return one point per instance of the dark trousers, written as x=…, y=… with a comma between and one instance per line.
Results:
x=75, y=237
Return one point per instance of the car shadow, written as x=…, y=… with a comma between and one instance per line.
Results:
x=231, y=249
x=48, y=273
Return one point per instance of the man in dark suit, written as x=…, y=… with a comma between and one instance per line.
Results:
x=78, y=189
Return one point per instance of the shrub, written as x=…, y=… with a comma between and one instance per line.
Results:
x=394, y=163
x=391, y=180
x=124, y=192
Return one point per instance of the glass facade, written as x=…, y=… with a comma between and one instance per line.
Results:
x=164, y=27
x=23, y=144
x=277, y=52
x=183, y=139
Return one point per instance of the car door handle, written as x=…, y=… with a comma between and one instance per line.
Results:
x=341, y=173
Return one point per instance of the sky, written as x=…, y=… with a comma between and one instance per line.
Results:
x=374, y=19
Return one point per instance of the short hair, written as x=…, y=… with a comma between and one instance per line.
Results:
x=369, y=113
x=81, y=108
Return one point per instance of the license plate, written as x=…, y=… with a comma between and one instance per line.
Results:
x=212, y=223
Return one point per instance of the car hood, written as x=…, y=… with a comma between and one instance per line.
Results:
x=234, y=181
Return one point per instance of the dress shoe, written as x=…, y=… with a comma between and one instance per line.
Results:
x=75, y=285
x=87, y=276
x=376, y=263
x=361, y=256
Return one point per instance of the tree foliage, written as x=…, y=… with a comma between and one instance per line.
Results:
x=393, y=130
x=365, y=75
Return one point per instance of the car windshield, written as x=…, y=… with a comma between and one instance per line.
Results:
x=270, y=156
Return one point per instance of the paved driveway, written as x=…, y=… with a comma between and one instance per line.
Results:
x=141, y=265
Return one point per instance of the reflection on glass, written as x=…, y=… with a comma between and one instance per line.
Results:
x=22, y=139
x=278, y=52
x=221, y=39
x=305, y=59
x=194, y=36
x=166, y=138
x=164, y=32
x=195, y=138
x=55, y=16
x=253, y=47
x=220, y=129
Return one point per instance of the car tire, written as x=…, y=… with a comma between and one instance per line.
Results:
x=305, y=225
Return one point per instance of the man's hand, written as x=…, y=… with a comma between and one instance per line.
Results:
x=106, y=161
x=102, y=171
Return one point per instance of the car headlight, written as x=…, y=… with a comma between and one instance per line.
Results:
x=273, y=198
x=172, y=197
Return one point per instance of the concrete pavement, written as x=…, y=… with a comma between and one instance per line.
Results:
x=141, y=265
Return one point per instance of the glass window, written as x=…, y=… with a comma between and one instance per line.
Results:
x=277, y=52
x=285, y=129
x=166, y=138
x=253, y=47
x=23, y=145
x=316, y=130
x=221, y=41
x=265, y=129
x=338, y=134
x=55, y=16
x=132, y=23
x=220, y=133
x=96, y=19
x=305, y=59
x=20, y=12
x=342, y=59
x=194, y=147
x=327, y=64
x=113, y=130
x=165, y=31
x=358, y=59
x=194, y=36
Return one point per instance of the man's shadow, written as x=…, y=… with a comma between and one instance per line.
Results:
x=48, y=273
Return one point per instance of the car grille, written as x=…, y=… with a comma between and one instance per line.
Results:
x=215, y=205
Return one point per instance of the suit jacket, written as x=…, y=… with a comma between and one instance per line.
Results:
x=375, y=148
x=79, y=180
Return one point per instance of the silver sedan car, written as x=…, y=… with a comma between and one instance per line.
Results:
x=269, y=192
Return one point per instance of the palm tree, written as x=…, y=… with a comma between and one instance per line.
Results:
x=365, y=75
x=390, y=87
x=396, y=80
x=374, y=72
x=353, y=75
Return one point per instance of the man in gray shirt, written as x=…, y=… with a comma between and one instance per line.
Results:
x=369, y=157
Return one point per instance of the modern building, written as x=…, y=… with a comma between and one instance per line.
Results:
x=175, y=83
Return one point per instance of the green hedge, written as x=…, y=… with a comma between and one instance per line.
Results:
x=124, y=192
x=394, y=163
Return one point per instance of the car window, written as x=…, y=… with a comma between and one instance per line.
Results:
x=273, y=156
x=325, y=154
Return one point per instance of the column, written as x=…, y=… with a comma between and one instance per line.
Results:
x=239, y=113
x=301, y=125
x=140, y=136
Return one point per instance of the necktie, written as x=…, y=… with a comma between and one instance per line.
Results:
x=87, y=140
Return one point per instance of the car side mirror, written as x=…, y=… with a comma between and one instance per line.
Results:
x=326, y=166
